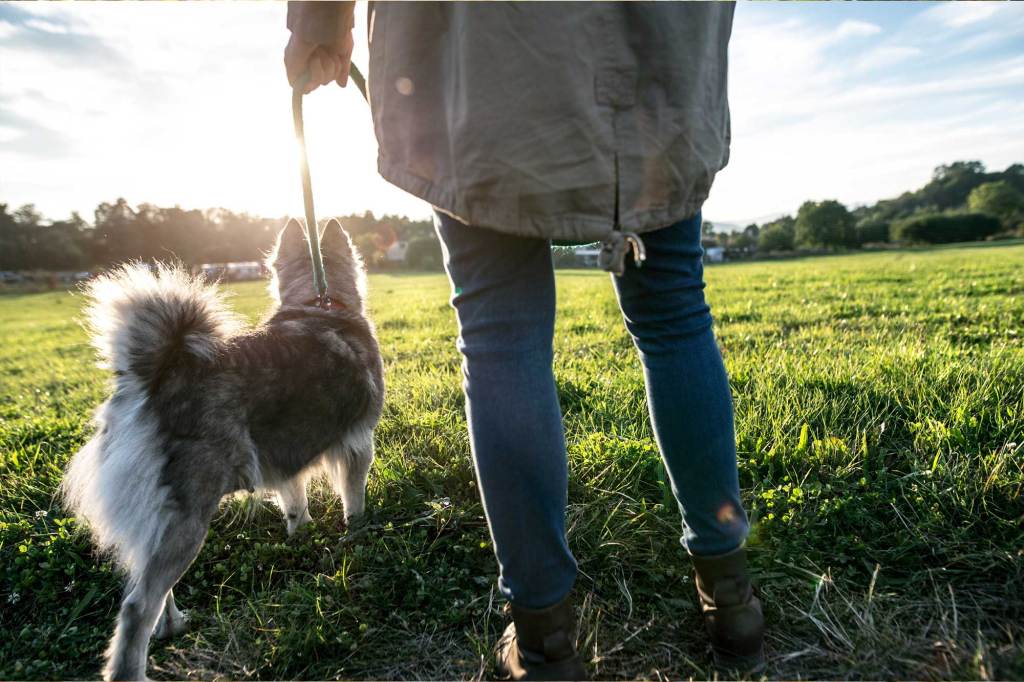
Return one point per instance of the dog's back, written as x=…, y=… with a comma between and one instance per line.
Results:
x=309, y=381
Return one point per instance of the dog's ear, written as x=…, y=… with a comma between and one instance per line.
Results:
x=335, y=240
x=345, y=272
x=291, y=239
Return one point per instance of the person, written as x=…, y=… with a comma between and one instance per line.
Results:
x=524, y=124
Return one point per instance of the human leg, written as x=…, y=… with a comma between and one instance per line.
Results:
x=692, y=416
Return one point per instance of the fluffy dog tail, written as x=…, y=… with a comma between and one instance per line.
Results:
x=143, y=322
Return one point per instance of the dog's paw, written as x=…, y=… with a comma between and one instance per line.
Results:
x=360, y=521
x=170, y=625
x=111, y=674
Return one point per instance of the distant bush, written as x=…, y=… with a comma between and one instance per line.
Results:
x=943, y=228
x=872, y=232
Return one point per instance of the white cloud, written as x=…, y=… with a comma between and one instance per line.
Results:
x=7, y=29
x=47, y=26
x=855, y=28
x=928, y=92
x=960, y=14
x=45, y=9
x=886, y=56
x=819, y=119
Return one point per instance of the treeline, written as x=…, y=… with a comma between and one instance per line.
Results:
x=962, y=202
x=120, y=232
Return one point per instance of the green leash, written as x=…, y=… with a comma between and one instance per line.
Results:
x=312, y=233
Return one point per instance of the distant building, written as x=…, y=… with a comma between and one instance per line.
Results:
x=396, y=252
x=714, y=254
x=241, y=271
x=587, y=256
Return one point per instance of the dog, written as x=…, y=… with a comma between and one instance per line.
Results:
x=202, y=408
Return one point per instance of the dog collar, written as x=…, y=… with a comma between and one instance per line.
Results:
x=323, y=302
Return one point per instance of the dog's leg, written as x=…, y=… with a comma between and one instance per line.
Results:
x=291, y=496
x=349, y=467
x=171, y=621
x=353, y=492
x=127, y=653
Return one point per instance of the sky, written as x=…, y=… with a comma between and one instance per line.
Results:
x=187, y=104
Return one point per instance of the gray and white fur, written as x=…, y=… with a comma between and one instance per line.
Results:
x=203, y=407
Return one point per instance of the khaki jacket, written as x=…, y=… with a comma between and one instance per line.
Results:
x=556, y=120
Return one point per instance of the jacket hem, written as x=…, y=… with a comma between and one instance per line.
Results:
x=573, y=228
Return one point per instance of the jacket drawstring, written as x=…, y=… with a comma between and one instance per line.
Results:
x=614, y=248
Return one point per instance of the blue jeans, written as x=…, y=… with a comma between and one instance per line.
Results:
x=504, y=297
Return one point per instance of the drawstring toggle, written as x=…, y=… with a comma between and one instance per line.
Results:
x=614, y=249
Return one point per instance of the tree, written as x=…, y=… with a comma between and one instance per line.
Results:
x=424, y=253
x=366, y=245
x=115, y=239
x=825, y=224
x=148, y=232
x=27, y=215
x=752, y=231
x=742, y=242
x=30, y=242
x=951, y=184
x=947, y=190
x=777, y=235
x=13, y=249
x=707, y=228
x=1015, y=176
x=998, y=199
x=62, y=245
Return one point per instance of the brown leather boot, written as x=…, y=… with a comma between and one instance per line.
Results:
x=732, y=614
x=540, y=644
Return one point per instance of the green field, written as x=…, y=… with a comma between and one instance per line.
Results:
x=880, y=422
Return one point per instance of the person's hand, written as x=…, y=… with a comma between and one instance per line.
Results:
x=324, y=63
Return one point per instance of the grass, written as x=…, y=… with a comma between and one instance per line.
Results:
x=880, y=423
